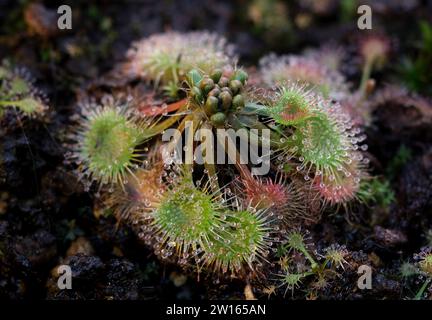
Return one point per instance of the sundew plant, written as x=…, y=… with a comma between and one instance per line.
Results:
x=17, y=91
x=213, y=217
x=262, y=149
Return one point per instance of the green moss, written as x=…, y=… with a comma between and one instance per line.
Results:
x=377, y=191
x=403, y=155
x=318, y=135
x=412, y=69
x=167, y=58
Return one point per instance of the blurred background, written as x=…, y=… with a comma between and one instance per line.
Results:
x=103, y=30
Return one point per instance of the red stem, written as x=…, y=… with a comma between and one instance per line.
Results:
x=244, y=171
x=158, y=110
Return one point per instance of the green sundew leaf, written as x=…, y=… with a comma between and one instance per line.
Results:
x=292, y=280
x=377, y=191
x=296, y=241
x=326, y=144
x=19, y=86
x=241, y=243
x=292, y=108
x=348, y=9
x=187, y=214
x=28, y=105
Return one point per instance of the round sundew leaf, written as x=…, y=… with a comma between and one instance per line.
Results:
x=291, y=108
x=243, y=242
x=296, y=241
x=187, y=215
x=168, y=57
x=17, y=91
x=19, y=86
x=292, y=280
x=319, y=142
x=109, y=142
x=307, y=72
x=29, y=105
x=318, y=135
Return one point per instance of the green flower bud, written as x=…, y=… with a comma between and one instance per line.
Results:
x=223, y=82
x=226, y=89
x=238, y=101
x=218, y=119
x=211, y=105
x=206, y=85
x=216, y=75
x=226, y=100
x=235, y=86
